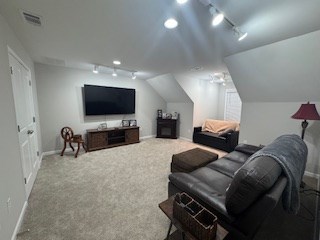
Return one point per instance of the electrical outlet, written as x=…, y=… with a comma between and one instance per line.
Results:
x=9, y=205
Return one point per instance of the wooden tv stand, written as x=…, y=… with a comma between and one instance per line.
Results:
x=111, y=137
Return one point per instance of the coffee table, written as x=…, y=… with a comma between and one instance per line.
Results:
x=167, y=207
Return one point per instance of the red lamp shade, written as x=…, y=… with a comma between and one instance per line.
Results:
x=307, y=112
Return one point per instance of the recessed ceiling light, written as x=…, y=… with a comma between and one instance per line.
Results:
x=116, y=62
x=182, y=1
x=171, y=23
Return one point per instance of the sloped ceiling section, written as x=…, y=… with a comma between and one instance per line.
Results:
x=285, y=71
x=169, y=89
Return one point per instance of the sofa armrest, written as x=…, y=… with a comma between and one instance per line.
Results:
x=197, y=129
x=232, y=139
x=250, y=221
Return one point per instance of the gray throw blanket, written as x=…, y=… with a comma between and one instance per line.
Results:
x=290, y=152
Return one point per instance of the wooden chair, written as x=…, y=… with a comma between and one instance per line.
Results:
x=69, y=137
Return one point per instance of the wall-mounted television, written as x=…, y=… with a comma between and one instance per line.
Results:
x=100, y=100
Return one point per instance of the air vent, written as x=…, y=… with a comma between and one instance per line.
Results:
x=31, y=18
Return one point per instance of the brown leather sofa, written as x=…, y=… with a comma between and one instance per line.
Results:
x=252, y=192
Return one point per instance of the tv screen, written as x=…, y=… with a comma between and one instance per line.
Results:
x=101, y=100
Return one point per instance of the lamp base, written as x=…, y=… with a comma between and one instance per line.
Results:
x=304, y=125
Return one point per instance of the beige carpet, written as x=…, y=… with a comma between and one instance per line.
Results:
x=108, y=194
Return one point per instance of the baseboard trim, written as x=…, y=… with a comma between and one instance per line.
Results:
x=314, y=175
x=54, y=152
x=185, y=139
x=147, y=137
x=19, y=222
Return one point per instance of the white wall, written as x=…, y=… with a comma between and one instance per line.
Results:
x=61, y=103
x=261, y=123
x=204, y=95
x=11, y=177
x=184, y=123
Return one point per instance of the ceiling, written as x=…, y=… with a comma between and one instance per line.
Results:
x=79, y=33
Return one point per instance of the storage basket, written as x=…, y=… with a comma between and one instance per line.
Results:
x=199, y=221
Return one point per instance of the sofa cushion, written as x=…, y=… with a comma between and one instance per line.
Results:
x=225, y=132
x=247, y=149
x=225, y=166
x=250, y=182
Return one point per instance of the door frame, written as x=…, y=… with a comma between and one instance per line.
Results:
x=37, y=161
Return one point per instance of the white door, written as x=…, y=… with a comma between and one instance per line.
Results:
x=233, y=104
x=26, y=126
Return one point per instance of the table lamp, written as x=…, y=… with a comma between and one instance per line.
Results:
x=306, y=112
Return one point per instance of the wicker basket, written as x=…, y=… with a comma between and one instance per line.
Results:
x=197, y=219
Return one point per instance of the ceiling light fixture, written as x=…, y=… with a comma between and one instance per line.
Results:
x=116, y=62
x=114, y=74
x=182, y=1
x=217, y=16
x=133, y=76
x=95, y=69
x=241, y=35
x=171, y=23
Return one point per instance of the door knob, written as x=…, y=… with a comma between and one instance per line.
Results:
x=30, y=132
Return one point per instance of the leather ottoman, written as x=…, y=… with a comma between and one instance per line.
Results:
x=191, y=160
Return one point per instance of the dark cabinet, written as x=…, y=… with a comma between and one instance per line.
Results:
x=111, y=137
x=166, y=128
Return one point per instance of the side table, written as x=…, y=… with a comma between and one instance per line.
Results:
x=167, y=207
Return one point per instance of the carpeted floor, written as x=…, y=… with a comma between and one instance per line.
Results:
x=107, y=194
x=114, y=194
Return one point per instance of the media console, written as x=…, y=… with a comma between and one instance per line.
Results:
x=111, y=137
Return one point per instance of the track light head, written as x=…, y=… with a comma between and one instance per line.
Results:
x=217, y=16
x=240, y=35
x=95, y=69
x=133, y=76
x=114, y=74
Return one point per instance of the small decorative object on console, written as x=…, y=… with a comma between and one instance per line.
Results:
x=159, y=113
x=102, y=126
x=125, y=123
x=166, y=115
x=133, y=123
x=175, y=115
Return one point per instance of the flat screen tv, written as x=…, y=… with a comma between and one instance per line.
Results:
x=101, y=100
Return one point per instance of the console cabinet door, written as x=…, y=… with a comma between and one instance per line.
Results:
x=97, y=140
x=132, y=135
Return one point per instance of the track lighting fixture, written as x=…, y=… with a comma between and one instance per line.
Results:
x=217, y=16
x=123, y=71
x=114, y=74
x=241, y=35
x=95, y=69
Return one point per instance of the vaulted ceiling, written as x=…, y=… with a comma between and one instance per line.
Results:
x=79, y=33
